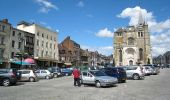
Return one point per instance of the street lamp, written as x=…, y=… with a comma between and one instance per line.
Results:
x=21, y=40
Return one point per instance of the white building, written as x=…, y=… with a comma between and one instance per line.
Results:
x=46, y=45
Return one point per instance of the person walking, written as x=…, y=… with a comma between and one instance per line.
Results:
x=76, y=74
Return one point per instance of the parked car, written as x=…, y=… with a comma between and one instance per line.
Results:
x=66, y=71
x=147, y=70
x=117, y=72
x=28, y=75
x=134, y=72
x=97, y=78
x=56, y=71
x=9, y=76
x=155, y=68
x=44, y=74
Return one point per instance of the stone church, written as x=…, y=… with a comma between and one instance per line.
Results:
x=132, y=44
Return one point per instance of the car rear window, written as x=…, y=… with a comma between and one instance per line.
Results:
x=131, y=68
x=25, y=72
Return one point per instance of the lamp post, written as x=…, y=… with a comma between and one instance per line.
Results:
x=21, y=40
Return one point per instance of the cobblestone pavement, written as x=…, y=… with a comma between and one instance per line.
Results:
x=154, y=87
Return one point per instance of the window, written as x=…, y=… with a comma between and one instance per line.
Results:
x=2, y=40
x=37, y=42
x=84, y=73
x=43, y=71
x=42, y=43
x=19, y=34
x=25, y=72
x=51, y=38
x=120, y=55
x=50, y=45
x=54, y=39
x=140, y=54
x=31, y=40
x=3, y=28
x=42, y=52
x=130, y=41
x=12, y=55
x=54, y=46
x=141, y=34
x=54, y=55
x=13, y=43
x=42, y=34
x=13, y=33
x=1, y=52
x=46, y=53
x=138, y=34
x=19, y=45
x=38, y=33
x=47, y=44
x=37, y=53
x=47, y=36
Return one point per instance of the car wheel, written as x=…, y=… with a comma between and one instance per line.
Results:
x=55, y=75
x=6, y=82
x=31, y=79
x=135, y=76
x=98, y=84
x=47, y=77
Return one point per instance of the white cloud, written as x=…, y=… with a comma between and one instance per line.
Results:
x=46, y=6
x=106, y=50
x=154, y=26
x=80, y=4
x=160, y=43
x=160, y=31
x=104, y=33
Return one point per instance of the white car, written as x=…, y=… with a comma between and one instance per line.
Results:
x=44, y=74
x=147, y=70
x=134, y=72
x=28, y=75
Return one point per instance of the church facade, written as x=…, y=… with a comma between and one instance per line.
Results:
x=132, y=45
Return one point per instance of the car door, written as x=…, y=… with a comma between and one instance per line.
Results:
x=87, y=78
x=43, y=73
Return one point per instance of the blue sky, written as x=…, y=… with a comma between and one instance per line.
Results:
x=91, y=23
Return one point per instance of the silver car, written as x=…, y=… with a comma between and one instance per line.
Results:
x=44, y=74
x=135, y=72
x=98, y=78
x=28, y=75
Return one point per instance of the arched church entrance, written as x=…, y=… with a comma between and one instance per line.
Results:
x=130, y=62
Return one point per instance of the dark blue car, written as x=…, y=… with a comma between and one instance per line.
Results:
x=66, y=71
x=117, y=72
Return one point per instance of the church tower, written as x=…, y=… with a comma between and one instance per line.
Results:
x=132, y=44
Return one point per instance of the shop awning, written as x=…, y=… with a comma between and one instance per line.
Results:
x=21, y=63
x=30, y=60
x=68, y=64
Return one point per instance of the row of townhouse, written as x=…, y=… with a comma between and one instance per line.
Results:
x=27, y=39
x=162, y=60
x=70, y=53
x=30, y=40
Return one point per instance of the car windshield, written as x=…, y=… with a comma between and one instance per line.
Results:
x=98, y=73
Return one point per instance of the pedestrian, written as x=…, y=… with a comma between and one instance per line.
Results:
x=76, y=74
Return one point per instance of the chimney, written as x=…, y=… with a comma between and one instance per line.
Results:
x=5, y=21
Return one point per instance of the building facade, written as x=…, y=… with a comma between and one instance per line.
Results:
x=132, y=45
x=46, y=45
x=69, y=52
x=5, y=43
